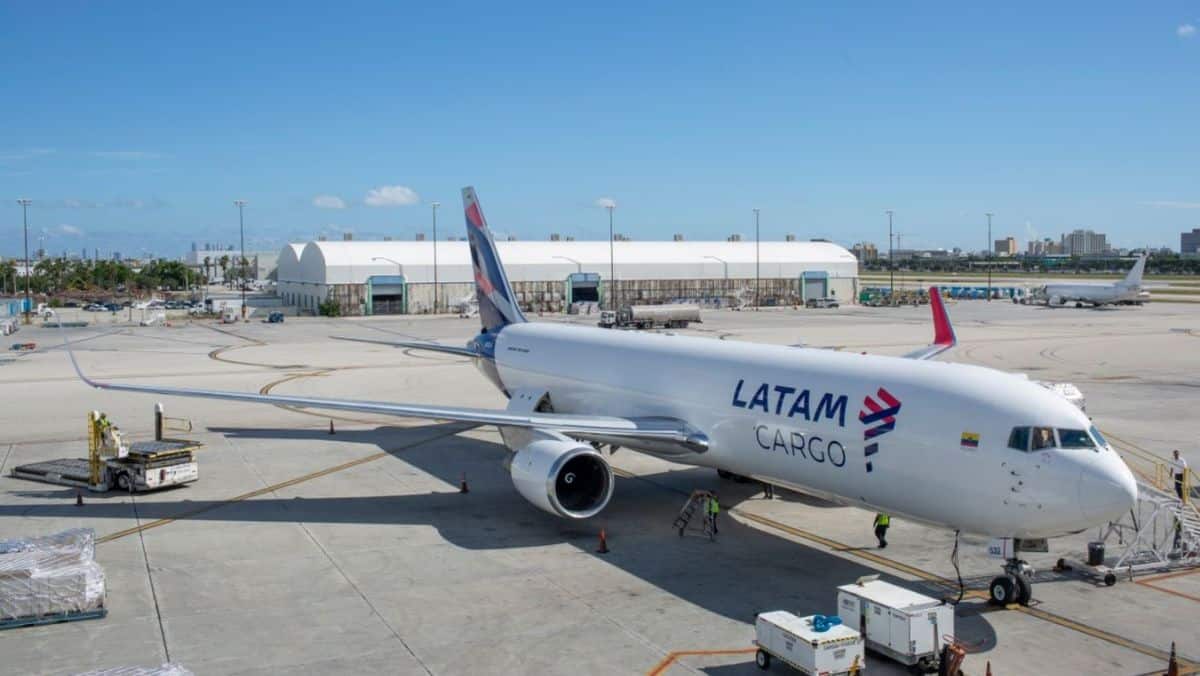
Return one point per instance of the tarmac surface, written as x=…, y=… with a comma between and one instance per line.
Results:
x=303, y=552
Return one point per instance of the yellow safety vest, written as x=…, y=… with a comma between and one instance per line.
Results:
x=883, y=520
x=713, y=506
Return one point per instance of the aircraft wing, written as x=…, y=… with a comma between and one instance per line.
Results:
x=943, y=331
x=669, y=435
x=415, y=345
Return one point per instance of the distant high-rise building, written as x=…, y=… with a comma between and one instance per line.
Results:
x=1005, y=247
x=1084, y=243
x=865, y=252
x=733, y=238
x=116, y=256
x=789, y=237
x=1189, y=242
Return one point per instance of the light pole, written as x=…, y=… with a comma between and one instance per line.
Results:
x=891, y=263
x=578, y=265
x=989, y=256
x=25, y=202
x=724, y=263
x=756, y=259
x=241, y=204
x=612, y=265
x=435, y=206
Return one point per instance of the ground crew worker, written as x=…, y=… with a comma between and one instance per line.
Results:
x=1179, y=467
x=768, y=490
x=882, y=521
x=714, y=508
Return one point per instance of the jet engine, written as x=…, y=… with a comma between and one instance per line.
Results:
x=563, y=477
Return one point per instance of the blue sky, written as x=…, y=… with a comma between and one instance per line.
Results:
x=134, y=126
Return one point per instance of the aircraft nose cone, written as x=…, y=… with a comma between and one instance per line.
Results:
x=1107, y=492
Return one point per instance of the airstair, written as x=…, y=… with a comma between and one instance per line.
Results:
x=696, y=502
x=1162, y=532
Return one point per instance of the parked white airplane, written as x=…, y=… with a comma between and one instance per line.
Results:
x=965, y=447
x=1128, y=290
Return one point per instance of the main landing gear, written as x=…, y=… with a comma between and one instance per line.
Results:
x=1014, y=586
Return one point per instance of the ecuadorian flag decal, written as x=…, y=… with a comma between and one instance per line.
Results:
x=970, y=440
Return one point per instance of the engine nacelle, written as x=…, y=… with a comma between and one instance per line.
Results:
x=563, y=477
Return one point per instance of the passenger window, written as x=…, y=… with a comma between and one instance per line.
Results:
x=1043, y=437
x=1075, y=439
x=1019, y=439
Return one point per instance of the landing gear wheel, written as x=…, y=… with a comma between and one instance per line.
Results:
x=123, y=483
x=1024, y=589
x=762, y=659
x=1079, y=305
x=1000, y=592
x=1110, y=579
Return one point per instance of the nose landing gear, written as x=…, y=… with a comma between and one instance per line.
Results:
x=1014, y=586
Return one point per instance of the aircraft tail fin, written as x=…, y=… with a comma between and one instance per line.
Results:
x=1134, y=278
x=497, y=302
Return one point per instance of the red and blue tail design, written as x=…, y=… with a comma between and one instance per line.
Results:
x=497, y=303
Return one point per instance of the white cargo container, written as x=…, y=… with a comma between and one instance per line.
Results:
x=901, y=624
x=793, y=640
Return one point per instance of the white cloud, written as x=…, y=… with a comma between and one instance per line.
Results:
x=128, y=204
x=605, y=202
x=71, y=230
x=1168, y=204
x=28, y=153
x=391, y=196
x=127, y=154
x=1186, y=30
x=329, y=202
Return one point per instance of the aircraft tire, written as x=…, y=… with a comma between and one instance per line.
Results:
x=1024, y=589
x=1000, y=591
x=1079, y=305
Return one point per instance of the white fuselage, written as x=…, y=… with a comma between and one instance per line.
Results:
x=793, y=416
x=1095, y=294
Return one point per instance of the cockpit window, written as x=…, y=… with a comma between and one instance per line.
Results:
x=1075, y=439
x=1043, y=437
x=1019, y=439
x=1099, y=438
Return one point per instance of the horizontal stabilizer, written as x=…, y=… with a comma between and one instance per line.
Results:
x=414, y=345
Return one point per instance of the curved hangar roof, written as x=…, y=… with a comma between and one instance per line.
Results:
x=352, y=262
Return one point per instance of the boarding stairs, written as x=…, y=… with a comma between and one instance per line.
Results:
x=696, y=502
x=1163, y=529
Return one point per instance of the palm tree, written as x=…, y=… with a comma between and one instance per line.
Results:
x=224, y=263
x=207, y=265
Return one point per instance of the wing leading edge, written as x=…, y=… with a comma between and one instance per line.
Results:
x=665, y=435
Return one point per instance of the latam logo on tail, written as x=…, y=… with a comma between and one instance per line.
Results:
x=884, y=414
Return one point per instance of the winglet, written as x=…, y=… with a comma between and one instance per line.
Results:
x=71, y=354
x=943, y=331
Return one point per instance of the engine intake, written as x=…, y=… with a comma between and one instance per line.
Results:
x=563, y=477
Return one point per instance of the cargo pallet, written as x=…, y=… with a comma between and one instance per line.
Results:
x=35, y=620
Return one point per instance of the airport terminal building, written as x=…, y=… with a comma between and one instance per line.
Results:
x=391, y=277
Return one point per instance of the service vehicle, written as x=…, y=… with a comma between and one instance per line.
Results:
x=903, y=625
x=821, y=303
x=816, y=644
x=669, y=316
x=274, y=318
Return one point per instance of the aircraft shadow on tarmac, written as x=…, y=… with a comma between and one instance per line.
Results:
x=745, y=571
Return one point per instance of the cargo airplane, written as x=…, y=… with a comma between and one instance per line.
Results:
x=964, y=447
x=1128, y=290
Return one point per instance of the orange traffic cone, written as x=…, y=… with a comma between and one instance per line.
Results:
x=989, y=668
x=331, y=426
x=603, y=548
x=462, y=484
